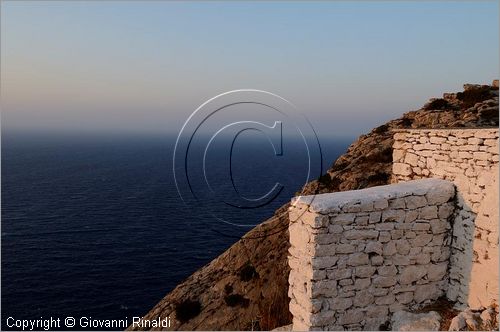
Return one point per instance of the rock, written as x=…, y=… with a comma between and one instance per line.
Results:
x=468, y=87
x=284, y=328
x=457, y=323
x=421, y=240
x=390, y=249
x=352, y=316
x=393, y=215
x=429, y=212
x=357, y=234
x=440, y=196
x=387, y=299
x=327, y=288
x=340, y=303
x=402, y=169
x=437, y=271
x=345, y=248
x=407, y=321
x=340, y=274
x=362, y=283
x=412, y=273
x=471, y=319
x=373, y=247
x=359, y=258
x=387, y=271
x=405, y=297
x=363, y=298
x=488, y=317
x=365, y=271
x=427, y=292
x=414, y=202
x=382, y=281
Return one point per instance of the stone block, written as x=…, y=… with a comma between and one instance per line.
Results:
x=389, y=248
x=437, y=271
x=373, y=247
x=385, y=300
x=383, y=281
x=361, y=234
x=406, y=321
x=421, y=240
x=410, y=159
x=344, y=218
x=414, y=202
x=326, y=288
x=428, y=212
x=405, y=297
x=412, y=273
x=387, y=270
x=345, y=248
x=362, y=283
x=393, y=215
x=377, y=311
x=401, y=169
x=363, y=298
x=439, y=226
x=339, y=273
x=351, y=316
x=427, y=292
x=324, y=262
x=377, y=260
x=359, y=258
x=340, y=303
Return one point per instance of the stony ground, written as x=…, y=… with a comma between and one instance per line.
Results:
x=246, y=287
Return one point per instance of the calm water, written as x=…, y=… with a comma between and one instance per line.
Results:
x=95, y=227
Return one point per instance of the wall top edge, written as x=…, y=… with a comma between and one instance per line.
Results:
x=443, y=129
x=331, y=202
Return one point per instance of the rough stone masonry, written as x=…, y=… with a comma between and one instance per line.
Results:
x=357, y=256
x=469, y=158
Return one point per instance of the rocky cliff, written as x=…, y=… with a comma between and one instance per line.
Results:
x=246, y=287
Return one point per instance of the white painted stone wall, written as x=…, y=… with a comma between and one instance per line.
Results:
x=357, y=256
x=468, y=158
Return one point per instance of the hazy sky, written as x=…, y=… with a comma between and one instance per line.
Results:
x=145, y=66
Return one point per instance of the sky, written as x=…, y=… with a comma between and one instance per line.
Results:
x=145, y=66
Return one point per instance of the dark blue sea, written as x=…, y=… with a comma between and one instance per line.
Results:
x=95, y=227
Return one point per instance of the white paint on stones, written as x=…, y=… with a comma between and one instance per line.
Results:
x=380, y=264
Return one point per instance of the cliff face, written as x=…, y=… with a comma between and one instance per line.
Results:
x=246, y=287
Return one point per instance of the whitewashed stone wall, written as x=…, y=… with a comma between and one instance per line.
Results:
x=357, y=256
x=468, y=158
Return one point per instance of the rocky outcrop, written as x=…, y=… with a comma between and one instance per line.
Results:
x=246, y=287
x=479, y=320
x=407, y=321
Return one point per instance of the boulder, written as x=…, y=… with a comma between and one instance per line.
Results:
x=284, y=328
x=407, y=321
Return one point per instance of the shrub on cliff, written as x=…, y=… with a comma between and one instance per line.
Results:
x=437, y=104
x=474, y=95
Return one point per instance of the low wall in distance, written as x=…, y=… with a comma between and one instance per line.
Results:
x=357, y=256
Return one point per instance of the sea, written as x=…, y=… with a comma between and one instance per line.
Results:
x=96, y=227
